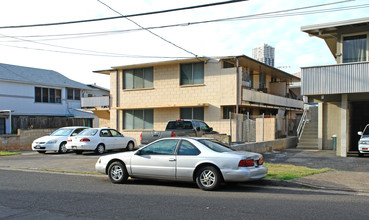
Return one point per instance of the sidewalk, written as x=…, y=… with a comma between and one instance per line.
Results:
x=352, y=174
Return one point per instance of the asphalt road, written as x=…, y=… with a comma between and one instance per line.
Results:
x=39, y=195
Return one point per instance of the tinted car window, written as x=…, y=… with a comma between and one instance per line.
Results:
x=216, y=145
x=77, y=131
x=163, y=147
x=179, y=125
x=88, y=132
x=186, y=148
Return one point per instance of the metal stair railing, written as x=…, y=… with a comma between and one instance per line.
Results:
x=302, y=123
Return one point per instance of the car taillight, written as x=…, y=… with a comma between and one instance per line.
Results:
x=173, y=134
x=84, y=140
x=69, y=140
x=246, y=163
x=261, y=161
x=141, y=138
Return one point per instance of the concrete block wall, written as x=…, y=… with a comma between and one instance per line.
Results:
x=23, y=140
x=266, y=146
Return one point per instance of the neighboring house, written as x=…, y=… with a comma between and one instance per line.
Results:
x=39, y=98
x=342, y=90
x=145, y=96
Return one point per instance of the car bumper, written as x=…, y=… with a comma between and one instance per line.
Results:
x=100, y=167
x=244, y=174
x=45, y=147
x=364, y=149
x=73, y=146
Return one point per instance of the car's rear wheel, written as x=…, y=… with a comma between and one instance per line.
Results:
x=130, y=146
x=208, y=178
x=100, y=149
x=62, y=148
x=117, y=172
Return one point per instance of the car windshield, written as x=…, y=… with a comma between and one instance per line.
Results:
x=216, y=145
x=88, y=132
x=62, y=132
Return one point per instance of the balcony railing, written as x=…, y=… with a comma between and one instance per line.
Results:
x=335, y=79
x=269, y=99
x=95, y=102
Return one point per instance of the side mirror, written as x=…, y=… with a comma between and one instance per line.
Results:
x=210, y=129
x=360, y=133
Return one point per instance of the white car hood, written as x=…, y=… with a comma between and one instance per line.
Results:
x=364, y=139
x=48, y=138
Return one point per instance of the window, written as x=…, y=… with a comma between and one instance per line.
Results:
x=227, y=110
x=354, y=48
x=192, y=73
x=163, y=147
x=216, y=145
x=192, y=113
x=73, y=94
x=105, y=133
x=186, y=148
x=115, y=133
x=47, y=95
x=138, y=78
x=228, y=65
x=138, y=119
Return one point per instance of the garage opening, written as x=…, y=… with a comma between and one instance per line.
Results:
x=359, y=118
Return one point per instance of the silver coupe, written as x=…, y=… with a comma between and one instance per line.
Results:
x=205, y=161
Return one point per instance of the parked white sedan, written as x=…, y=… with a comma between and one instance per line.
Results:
x=57, y=140
x=100, y=140
x=205, y=161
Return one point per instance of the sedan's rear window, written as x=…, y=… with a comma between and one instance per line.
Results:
x=179, y=125
x=216, y=145
x=88, y=132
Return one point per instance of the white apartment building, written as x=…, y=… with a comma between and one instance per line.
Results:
x=264, y=53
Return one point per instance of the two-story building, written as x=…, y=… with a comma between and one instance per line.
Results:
x=342, y=90
x=39, y=98
x=145, y=96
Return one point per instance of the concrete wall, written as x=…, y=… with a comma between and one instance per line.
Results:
x=23, y=140
x=266, y=146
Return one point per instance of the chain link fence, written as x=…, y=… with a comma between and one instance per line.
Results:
x=251, y=128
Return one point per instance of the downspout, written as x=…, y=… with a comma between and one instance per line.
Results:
x=237, y=97
x=117, y=99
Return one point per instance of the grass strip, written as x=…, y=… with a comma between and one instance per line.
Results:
x=289, y=172
x=6, y=153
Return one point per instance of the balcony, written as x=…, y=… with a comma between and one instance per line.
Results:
x=95, y=102
x=335, y=79
x=253, y=96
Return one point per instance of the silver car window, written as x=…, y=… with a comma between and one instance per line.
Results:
x=115, y=133
x=62, y=132
x=216, y=145
x=88, y=132
x=162, y=147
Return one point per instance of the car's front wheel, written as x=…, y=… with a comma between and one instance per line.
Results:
x=208, y=178
x=100, y=149
x=117, y=172
x=62, y=148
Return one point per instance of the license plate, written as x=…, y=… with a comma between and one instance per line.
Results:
x=37, y=146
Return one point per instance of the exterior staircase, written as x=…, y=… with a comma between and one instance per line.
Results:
x=309, y=136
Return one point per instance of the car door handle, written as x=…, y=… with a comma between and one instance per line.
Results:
x=172, y=159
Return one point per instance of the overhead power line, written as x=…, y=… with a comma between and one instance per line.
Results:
x=143, y=28
x=124, y=16
x=274, y=14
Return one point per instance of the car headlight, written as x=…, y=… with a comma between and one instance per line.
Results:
x=364, y=142
x=52, y=141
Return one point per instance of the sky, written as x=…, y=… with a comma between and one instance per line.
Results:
x=68, y=50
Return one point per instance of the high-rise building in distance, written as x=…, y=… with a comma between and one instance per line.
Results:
x=264, y=53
